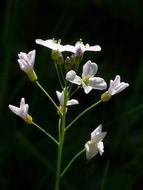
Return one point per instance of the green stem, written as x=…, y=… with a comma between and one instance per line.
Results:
x=58, y=74
x=62, y=75
x=82, y=113
x=73, y=92
x=61, y=141
x=46, y=93
x=46, y=133
x=69, y=164
x=105, y=175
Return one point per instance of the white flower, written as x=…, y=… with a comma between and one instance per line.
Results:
x=95, y=145
x=60, y=96
x=116, y=86
x=51, y=44
x=22, y=111
x=80, y=48
x=26, y=63
x=88, y=81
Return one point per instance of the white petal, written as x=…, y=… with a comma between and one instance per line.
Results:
x=60, y=96
x=92, y=48
x=31, y=57
x=117, y=80
x=70, y=48
x=22, y=55
x=23, y=65
x=91, y=150
x=89, y=69
x=22, y=103
x=47, y=43
x=97, y=83
x=122, y=87
x=72, y=77
x=52, y=44
x=14, y=109
x=23, y=111
x=100, y=147
x=97, y=131
x=72, y=102
x=97, y=135
x=86, y=88
x=111, y=89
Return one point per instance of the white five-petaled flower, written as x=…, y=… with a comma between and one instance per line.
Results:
x=61, y=98
x=22, y=111
x=95, y=145
x=26, y=63
x=87, y=81
x=51, y=44
x=116, y=86
x=80, y=48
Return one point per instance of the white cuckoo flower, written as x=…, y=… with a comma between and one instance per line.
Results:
x=26, y=63
x=61, y=98
x=22, y=111
x=115, y=87
x=80, y=48
x=95, y=145
x=87, y=80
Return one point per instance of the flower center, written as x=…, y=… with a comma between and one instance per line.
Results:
x=85, y=80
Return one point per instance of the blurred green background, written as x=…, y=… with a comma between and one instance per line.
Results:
x=27, y=157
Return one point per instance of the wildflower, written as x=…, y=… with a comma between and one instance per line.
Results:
x=61, y=98
x=87, y=81
x=77, y=49
x=80, y=48
x=22, y=111
x=26, y=63
x=51, y=44
x=114, y=88
x=56, y=48
x=95, y=145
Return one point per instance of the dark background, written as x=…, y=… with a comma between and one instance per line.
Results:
x=27, y=157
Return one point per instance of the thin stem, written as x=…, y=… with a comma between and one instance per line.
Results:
x=62, y=75
x=58, y=74
x=46, y=93
x=82, y=113
x=105, y=175
x=74, y=92
x=69, y=164
x=61, y=141
x=46, y=133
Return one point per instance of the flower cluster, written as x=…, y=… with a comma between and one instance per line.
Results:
x=69, y=76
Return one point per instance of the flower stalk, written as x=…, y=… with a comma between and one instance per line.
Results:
x=72, y=160
x=82, y=113
x=46, y=93
x=61, y=140
x=46, y=133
